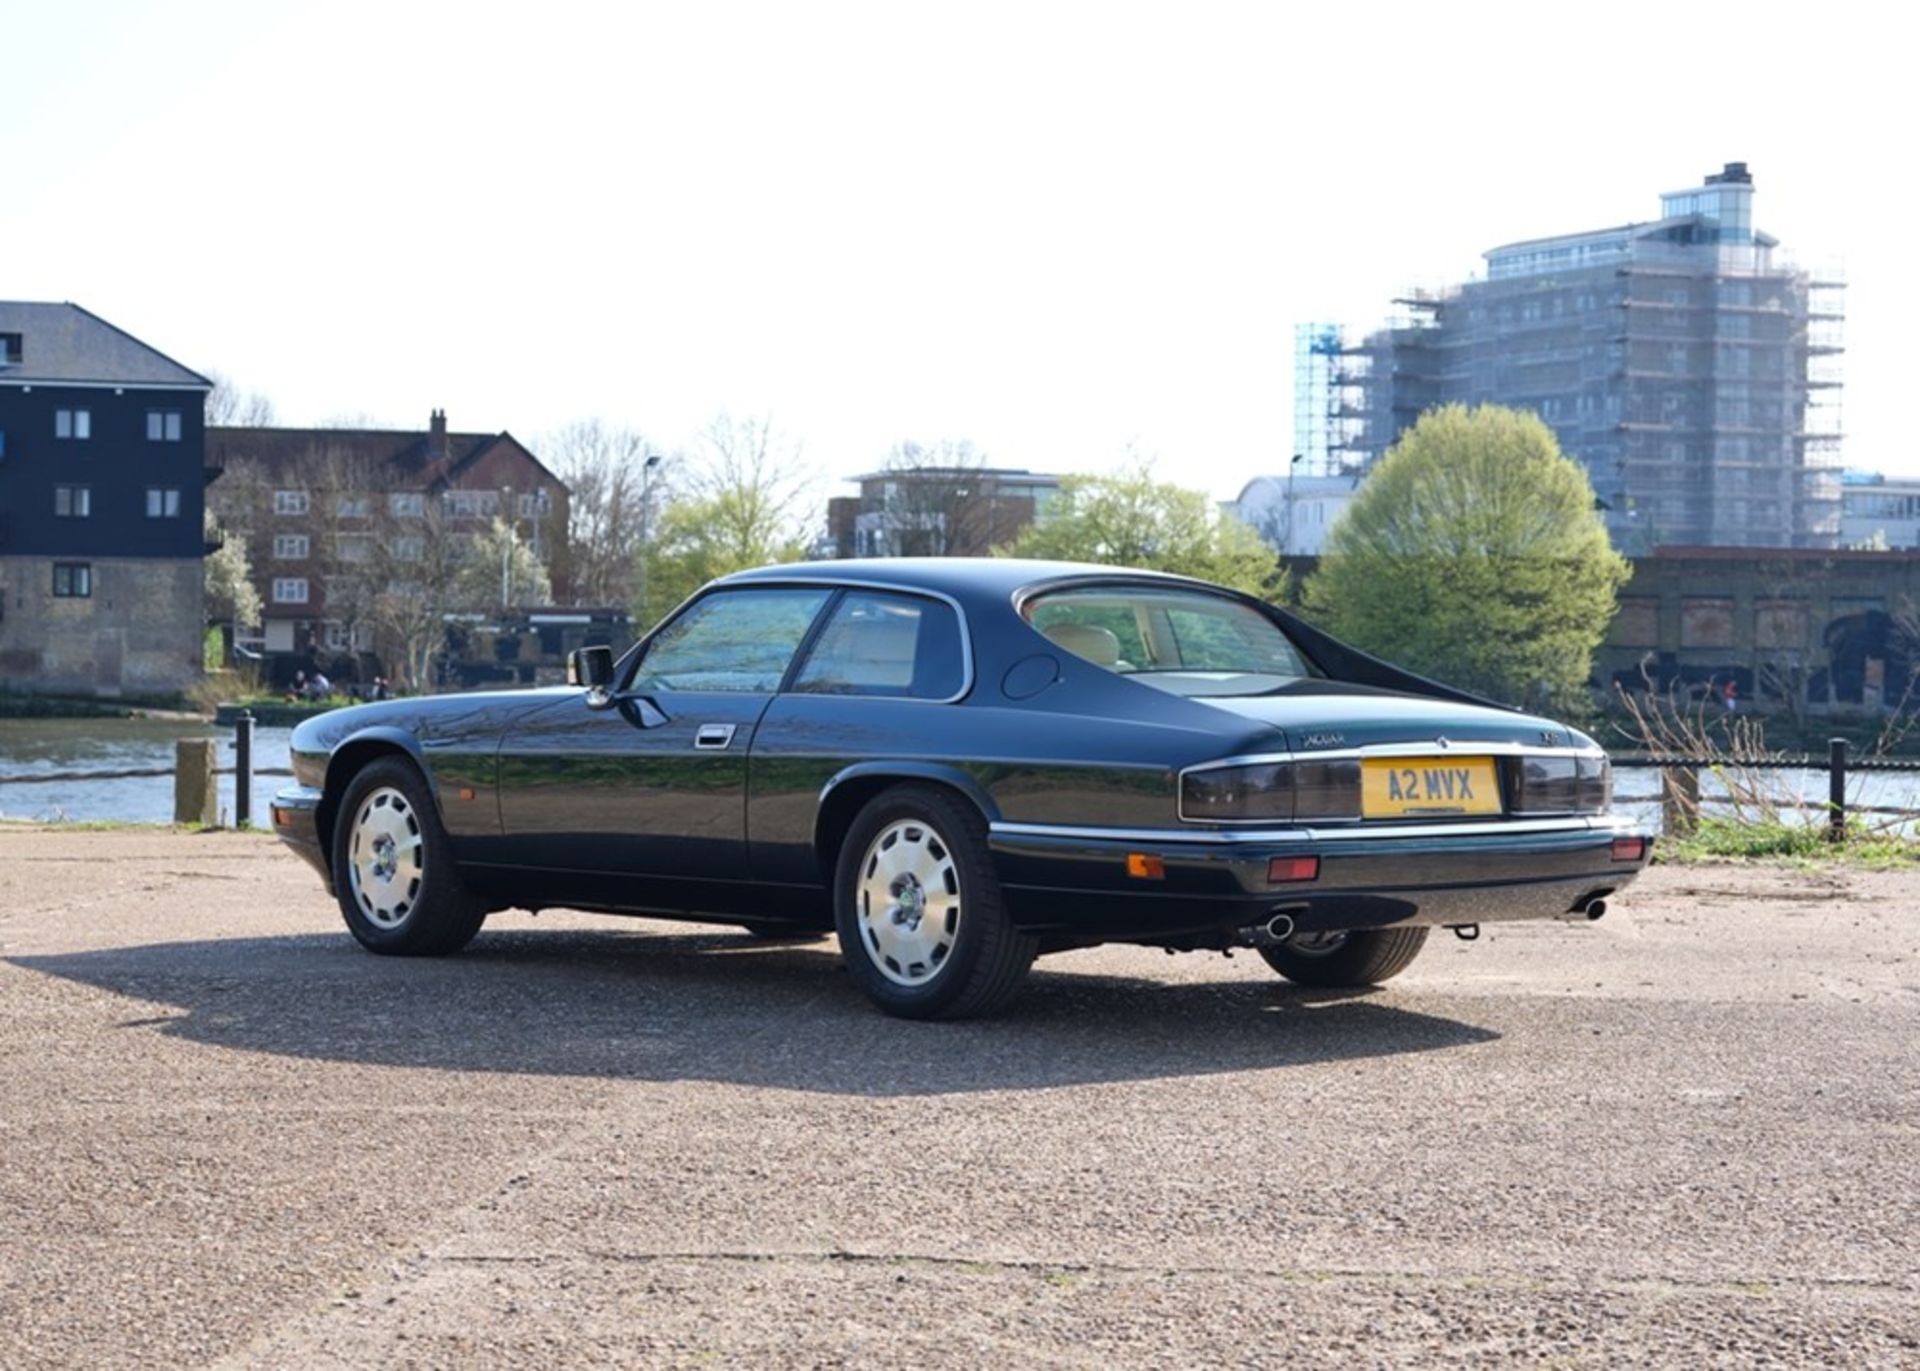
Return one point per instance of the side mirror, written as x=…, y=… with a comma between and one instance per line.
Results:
x=591, y=667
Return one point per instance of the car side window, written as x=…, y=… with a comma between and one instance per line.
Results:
x=731, y=640
x=875, y=643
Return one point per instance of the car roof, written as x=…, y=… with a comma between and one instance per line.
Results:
x=958, y=576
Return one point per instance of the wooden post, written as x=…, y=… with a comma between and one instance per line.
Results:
x=1679, y=800
x=195, y=798
x=1836, y=790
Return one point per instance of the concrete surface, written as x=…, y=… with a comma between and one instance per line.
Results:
x=1688, y=1135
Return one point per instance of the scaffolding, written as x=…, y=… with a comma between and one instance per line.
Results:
x=1699, y=383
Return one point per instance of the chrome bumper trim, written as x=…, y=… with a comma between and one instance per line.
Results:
x=1597, y=823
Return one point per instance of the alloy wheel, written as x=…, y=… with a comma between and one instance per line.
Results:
x=386, y=858
x=908, y=902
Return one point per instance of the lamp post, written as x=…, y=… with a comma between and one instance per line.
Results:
x=1286, y=545
x=506, y=550
x=647, y=469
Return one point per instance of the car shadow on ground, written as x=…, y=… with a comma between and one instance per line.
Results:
x=724, y=1007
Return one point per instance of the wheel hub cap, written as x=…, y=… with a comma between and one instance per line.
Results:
x=386, y=861
x=908, y=902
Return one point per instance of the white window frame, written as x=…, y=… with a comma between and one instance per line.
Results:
x=76, y=424
x=407, y=504
x=167, y=500
x=290, y=590
x=340, y=636
x=291, y=547
x=79, y=502
x=291, y=502
x=163, y=426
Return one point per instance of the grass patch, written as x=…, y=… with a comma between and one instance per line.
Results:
x=1717, y=839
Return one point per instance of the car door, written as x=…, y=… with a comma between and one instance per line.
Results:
x=639, y=793
x=875, y=686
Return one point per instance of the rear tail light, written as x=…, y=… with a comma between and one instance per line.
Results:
x=1564, y=784
x=1629, y=849
x=1274, y=792
x=1286, y=870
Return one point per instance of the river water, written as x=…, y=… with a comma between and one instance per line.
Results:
x=31, y=747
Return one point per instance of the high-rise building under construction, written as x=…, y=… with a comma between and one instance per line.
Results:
x=1690, y=367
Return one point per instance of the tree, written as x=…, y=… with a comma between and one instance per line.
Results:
x=228, y=570
x=938, y=502
x=230, y=407
x=612, y=474
x=499, y=571
x=414, y=568
x=1473, y=554
x=736, y=509
x=1133, y=520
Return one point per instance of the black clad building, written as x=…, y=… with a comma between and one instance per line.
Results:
x=102, y=491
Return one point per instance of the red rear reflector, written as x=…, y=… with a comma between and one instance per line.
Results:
x=1629, y=849
x=1282, y=870
x=1144, y=868
x=283, y=818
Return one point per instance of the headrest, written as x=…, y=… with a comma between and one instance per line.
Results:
x=1097, y=645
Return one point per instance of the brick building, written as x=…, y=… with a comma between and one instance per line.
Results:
x=102, y=473
x=935, y=511
x=325, y=509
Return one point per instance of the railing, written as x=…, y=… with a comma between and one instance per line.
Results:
x=1680, y=781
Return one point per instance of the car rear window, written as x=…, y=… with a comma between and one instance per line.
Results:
x=1188, y=642
x=877, y=643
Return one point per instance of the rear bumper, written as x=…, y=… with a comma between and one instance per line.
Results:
x=296, y=811
x=1074, y=881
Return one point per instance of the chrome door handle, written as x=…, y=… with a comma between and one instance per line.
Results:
x=713, y=736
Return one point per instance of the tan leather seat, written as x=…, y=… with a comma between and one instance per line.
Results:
x=1097, y=645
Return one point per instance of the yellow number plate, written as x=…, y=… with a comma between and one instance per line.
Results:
x=1395, y=786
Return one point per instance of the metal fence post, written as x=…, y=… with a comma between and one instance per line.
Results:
x=1836, y=790
x=243, y=770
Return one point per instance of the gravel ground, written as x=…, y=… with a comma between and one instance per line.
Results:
x=1688, y=1135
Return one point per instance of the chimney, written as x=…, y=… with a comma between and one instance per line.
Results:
x=437, y=435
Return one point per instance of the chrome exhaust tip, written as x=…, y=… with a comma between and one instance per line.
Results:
x=1280, y=927
x=1595, y=909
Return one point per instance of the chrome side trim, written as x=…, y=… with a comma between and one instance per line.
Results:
x=1429, y=749
x=1603, y=823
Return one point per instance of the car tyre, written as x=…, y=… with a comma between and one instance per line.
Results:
x=1335, y=960
x=393, y=866
x=919, y=912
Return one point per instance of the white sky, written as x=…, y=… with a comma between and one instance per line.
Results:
x=1058, y=230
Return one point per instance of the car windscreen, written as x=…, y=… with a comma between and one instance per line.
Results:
x=1187, y=642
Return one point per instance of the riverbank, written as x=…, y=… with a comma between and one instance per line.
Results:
x=25, y=705
x=277, y=713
